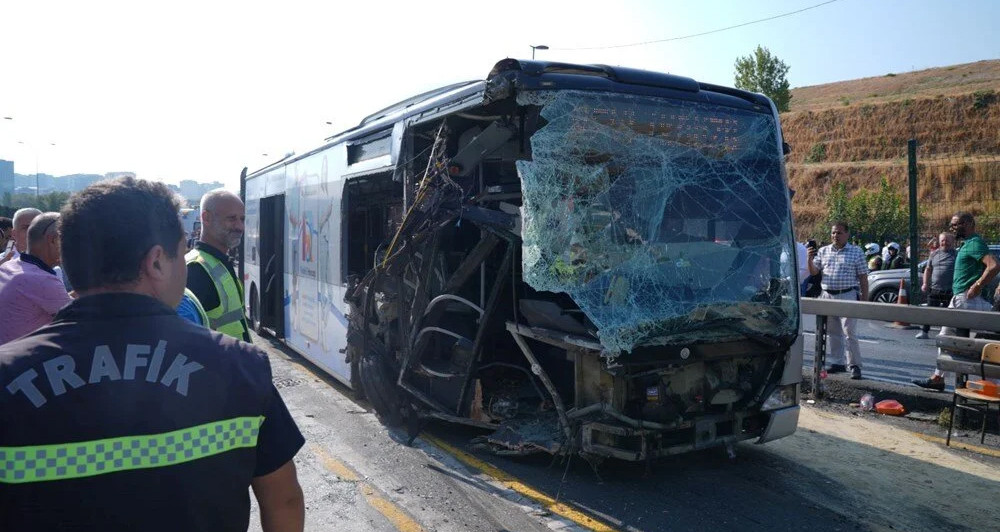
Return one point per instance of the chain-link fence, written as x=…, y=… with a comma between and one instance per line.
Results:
x=950, y=181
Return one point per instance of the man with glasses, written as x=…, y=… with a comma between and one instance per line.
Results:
x=30, y=291
x=845, y=276
x=975, y=267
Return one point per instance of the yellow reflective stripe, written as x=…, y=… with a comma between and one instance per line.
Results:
x=40, y=463
x=233, y=316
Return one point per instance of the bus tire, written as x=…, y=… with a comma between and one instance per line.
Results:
x=255, y=320
x=356, y=387
x=379, y=386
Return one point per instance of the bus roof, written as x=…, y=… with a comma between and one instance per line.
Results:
x=533, y=74
x=414, y=100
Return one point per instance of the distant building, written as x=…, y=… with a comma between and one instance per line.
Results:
x=190, y=189
x=45, y=182
x=193, y=190
x=75, y=182
x=18, y=184
x=6, y=181
x=116, y=175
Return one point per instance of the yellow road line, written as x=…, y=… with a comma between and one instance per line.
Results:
x=513, y=483
x=335, y=466
x=388, y=509
x=393, y=513
x=959, y=445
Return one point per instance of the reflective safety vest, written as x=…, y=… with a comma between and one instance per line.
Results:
x=228, y=317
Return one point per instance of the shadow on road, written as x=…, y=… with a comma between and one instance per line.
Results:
x=810, y=481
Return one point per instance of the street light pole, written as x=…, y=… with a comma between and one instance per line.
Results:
x=537, y=47
x=35, y=152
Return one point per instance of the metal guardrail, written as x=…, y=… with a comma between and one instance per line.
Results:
x=959, y=354
x=962, y=356
x=949, y=317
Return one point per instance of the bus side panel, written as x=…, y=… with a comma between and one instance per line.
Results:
x=315, y=319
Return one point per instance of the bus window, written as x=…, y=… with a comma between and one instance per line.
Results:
x=371, y=215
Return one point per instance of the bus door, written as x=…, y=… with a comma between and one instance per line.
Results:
x=272, y=264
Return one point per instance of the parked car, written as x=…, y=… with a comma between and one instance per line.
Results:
x=883, y=285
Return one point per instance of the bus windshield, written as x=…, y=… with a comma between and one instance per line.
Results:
x=665, y=220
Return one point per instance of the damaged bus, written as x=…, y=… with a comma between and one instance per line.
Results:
x=575, y=258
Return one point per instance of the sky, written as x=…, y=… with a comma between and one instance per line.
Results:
x=200, y=89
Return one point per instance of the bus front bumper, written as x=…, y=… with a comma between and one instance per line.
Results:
x=782, y=423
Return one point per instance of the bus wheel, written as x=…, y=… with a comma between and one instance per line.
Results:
x=378, y=383
x=356, y=387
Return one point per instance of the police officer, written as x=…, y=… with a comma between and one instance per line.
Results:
x=211, y=275
x=121, y=415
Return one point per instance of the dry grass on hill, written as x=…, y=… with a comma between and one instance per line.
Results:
x=953, y=112
x=952, y=126
x=929, y=83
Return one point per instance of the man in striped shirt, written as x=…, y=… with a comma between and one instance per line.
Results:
x=845, y=276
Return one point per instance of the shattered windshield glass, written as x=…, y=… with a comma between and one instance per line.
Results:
x=665, y=220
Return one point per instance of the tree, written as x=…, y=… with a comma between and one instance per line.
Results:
x=874, y=216
x=52, y=201
x=764, y=73
x=838, y=205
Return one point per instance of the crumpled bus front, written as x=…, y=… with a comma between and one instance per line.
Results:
x=665, y=220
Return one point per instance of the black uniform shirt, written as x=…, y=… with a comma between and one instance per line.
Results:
x=123, y=416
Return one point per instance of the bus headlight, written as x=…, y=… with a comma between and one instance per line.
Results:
x=781, y=397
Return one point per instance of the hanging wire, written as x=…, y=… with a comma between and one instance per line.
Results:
x=669, y=39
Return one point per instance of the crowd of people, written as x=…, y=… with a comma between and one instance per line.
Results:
x=144, y=394
x=959, y=268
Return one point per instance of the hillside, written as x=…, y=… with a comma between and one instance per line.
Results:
x=856, y=132
x=945, y=81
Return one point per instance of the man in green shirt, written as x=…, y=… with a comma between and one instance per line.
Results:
x=975, y=267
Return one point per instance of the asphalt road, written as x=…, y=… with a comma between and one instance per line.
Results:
x=888, y=354
x=359, y=475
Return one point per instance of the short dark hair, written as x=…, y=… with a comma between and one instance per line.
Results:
x=841, y=224
x=6, y=225
x=964, y=216
x=108, y=227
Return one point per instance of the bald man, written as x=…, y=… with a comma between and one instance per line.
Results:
x=22, y=219
x=211, y=275
x=30, y=291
